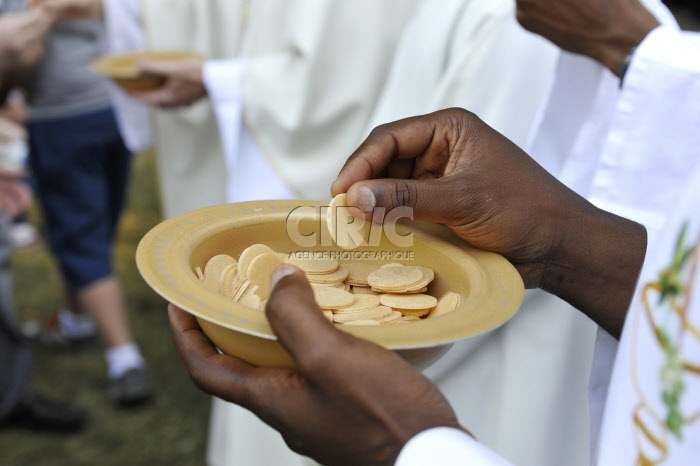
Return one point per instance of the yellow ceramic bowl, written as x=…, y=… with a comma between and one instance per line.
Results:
x=167, y=256
x=122, y=68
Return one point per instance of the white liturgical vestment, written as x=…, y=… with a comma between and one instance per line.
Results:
x=290, y=111
x=191, y=170
x=517, y=384
x=652, y=412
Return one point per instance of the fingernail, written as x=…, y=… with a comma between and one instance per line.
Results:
x=281, y=272
x=367, y=199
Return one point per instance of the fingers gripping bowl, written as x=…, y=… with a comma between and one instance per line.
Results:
x=167, y=257
x=123, y=68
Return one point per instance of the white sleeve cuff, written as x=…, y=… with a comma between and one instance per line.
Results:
x=224, y=80
x=124, y=33
x=667, y=47
x=447, y=447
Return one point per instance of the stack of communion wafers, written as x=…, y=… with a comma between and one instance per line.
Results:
x=246, y=280
x=349, y=293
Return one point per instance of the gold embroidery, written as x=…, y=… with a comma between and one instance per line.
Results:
x=669, y=322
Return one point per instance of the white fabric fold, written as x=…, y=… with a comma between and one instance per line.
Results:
x=124, y=33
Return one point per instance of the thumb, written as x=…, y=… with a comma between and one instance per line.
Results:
x=295, y=317
x=430, y=200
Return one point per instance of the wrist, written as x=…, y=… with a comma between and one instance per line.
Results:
x=615, y=47
x=596, y=264
x=195, y=75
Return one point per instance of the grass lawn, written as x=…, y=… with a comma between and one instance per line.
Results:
x=171, y=430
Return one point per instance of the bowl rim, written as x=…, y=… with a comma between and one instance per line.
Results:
x=106, y=64
x=163, y=255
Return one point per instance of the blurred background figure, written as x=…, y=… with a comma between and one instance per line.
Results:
x=80, y=168
x=191, y=168
x=14, y=150
x=20, y=405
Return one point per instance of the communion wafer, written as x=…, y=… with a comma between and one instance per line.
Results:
x=247, y=256
x=392, y=318
x=252, y=289
x=364, y=290
x=447, y=303
x=394, y=278
x=340, y=220
x=418, y=291
x=260, y=270
x=338, y=276
x=364, y=323
x=233, y=281
x=313, y=266
x=392, y=264
x=354, y=291
x=362, y=302
x=414, y=312
x=236, y=285
x=399, y=290
x=328, y=285
x=358, y=272
x=251, y=300
x=375, y=313
x=332, y=298
x=214, y=268
x=428, y=277
x=420, y=287
x=228, y=277
x=242, y=289
x=408, y=301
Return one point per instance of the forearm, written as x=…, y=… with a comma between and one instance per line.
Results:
x=605, y=30
x=70, y=10
x=21, y=39
x=596, y=266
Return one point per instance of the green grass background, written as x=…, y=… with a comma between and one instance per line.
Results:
x=171, y=430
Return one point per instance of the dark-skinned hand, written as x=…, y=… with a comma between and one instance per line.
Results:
x=350, y=402
x=452, y=168
x=605, y=30
x=183, y=86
